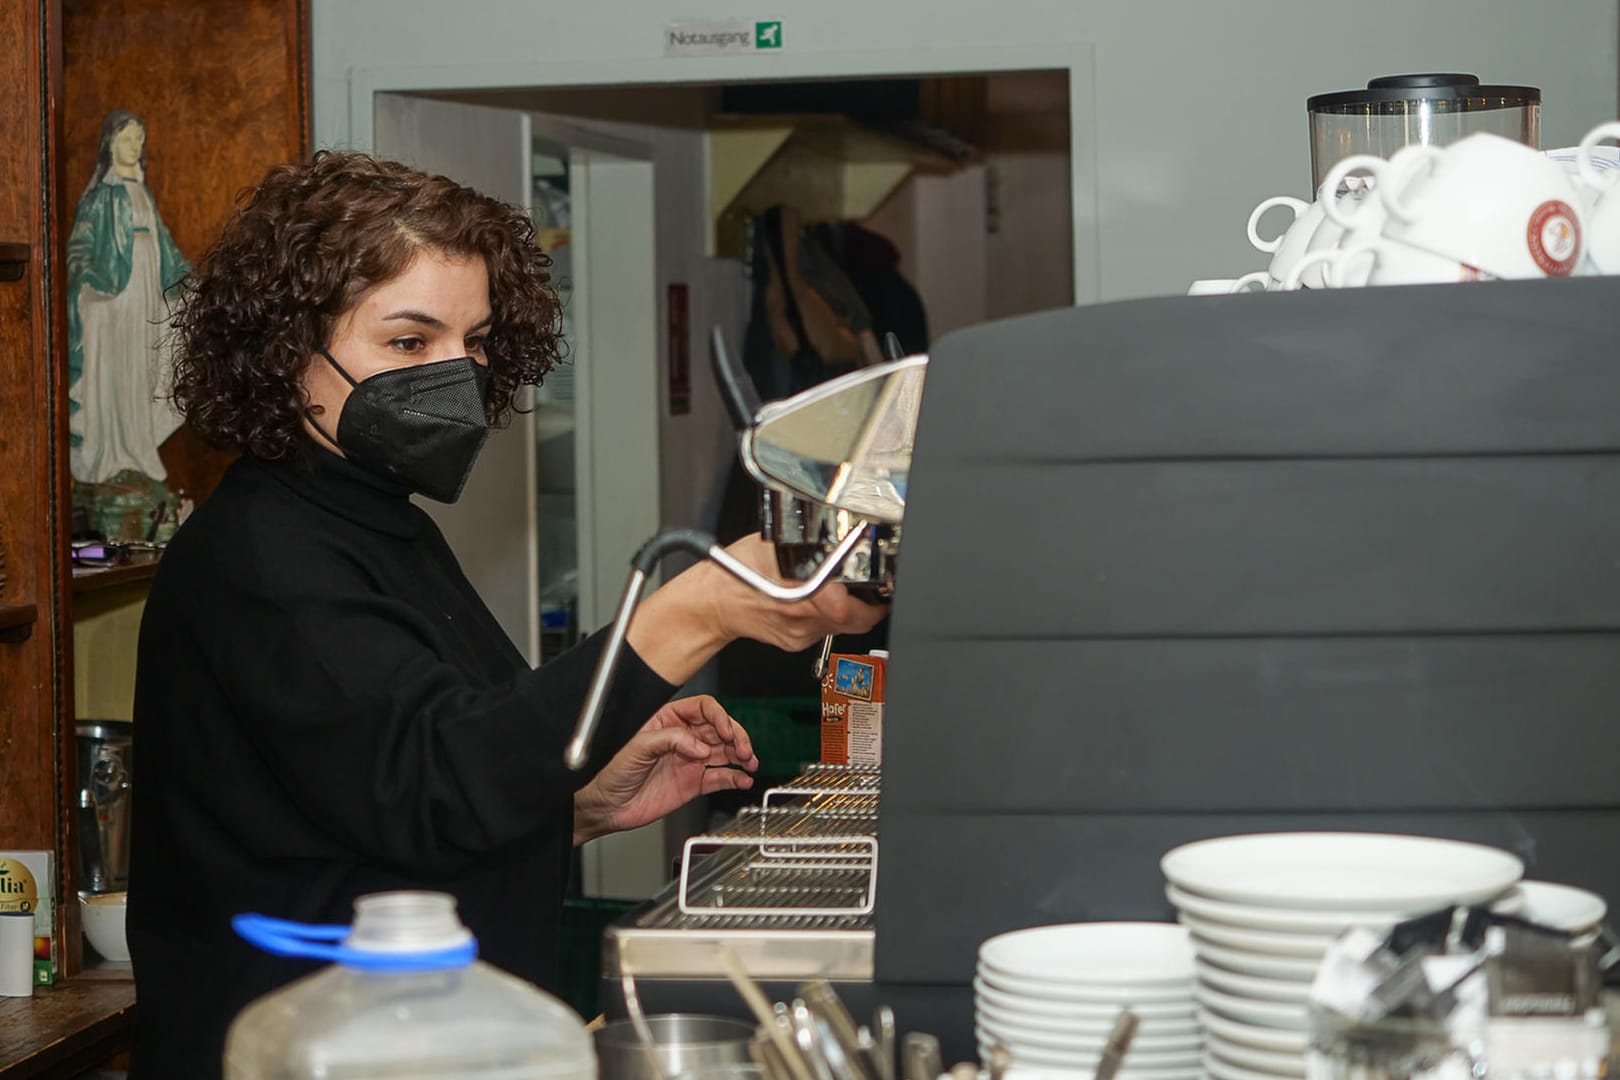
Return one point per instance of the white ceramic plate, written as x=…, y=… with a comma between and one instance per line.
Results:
x=1093, y=993
x=1084, y=1044
x=1104, y=953
x=1236, y=1031
x=1562, y=906
x=1264, y=1013
x=1033, y=1059
x=1151, y=1028
x=1249, y=1057
x=1148, y=1057
x=1222, y=1070
x=1261, y=964
x=1176, y=1010
x=1351, y=871
x=1289, y=991
x=1275, y=942
x=1259, y=917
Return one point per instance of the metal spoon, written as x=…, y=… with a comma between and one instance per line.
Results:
x=638, y=1021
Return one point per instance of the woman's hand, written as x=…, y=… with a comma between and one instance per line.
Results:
x=747, y=613
x=701, y=610
x=684, y=751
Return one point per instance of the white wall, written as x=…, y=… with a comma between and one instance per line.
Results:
x=1184, y=112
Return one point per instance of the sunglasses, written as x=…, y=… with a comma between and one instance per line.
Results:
x=110, y=552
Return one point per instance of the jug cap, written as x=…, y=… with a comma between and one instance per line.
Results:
x=394, y=932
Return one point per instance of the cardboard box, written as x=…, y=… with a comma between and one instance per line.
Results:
x=28, y=883
x=852, y=709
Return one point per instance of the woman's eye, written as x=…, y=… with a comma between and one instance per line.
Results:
x=408, y=344
x=476, y=344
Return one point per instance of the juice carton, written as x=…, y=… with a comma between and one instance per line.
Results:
x=28, y=884
x=852, y=709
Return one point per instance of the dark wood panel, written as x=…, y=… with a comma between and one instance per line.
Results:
x=217, y=85
x=64, y=1029
x=222, y=89
x=27, y=737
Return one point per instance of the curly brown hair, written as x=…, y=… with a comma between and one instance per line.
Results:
x=301, y=249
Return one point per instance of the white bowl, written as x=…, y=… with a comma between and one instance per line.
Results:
x=1271, y=942
x=1249, y=1057
x=1176, y=1027
x=1291, y=991
x=102, y=917
x=1563, y=907
x=1089, y=993
x=1105, y=953
x=1183, y=1057
x=1265, y=965
x=1217, y=1069
x=1291, y=920
x=1264, y=1038
x=1085, y=1043
x=1271, y=1014
x=1342, y=871
x=1033, y=1059
x=1178, y=1010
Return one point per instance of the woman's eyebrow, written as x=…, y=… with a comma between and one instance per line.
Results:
x=434, y=323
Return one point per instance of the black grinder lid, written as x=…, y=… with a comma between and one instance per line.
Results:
x=1464, y=91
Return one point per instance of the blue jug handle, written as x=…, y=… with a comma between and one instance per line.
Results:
x=310, y=941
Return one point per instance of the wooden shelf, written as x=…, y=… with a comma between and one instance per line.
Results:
x=65, y=1029
x=86, y=579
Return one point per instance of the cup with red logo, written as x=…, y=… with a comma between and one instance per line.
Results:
x=1489, y=203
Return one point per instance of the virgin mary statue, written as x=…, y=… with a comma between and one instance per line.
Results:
x=121, y=263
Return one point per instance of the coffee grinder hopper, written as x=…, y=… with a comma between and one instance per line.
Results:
x=832, y=462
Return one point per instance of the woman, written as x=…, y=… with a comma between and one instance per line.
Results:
x=121, y=262
x=324, y=708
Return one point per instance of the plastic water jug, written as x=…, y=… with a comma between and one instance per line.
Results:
x=405, y=999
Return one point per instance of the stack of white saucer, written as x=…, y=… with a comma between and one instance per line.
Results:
x=1051, y=996
x=1263, y=909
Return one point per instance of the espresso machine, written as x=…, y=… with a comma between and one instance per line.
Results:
x=832, y=463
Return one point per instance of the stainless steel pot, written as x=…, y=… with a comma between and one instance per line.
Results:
x=684, y=1043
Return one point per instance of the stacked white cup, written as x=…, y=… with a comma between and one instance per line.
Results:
x=1481, y=209
x=1600, y=188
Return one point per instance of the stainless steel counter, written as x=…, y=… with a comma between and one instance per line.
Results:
x=788, y=887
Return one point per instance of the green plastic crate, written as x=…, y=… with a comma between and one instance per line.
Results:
x=786, y=731
x=579, y=962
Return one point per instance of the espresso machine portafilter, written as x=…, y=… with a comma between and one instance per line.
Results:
x=832, y=463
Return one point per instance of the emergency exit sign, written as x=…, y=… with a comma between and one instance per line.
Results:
x=727, y=37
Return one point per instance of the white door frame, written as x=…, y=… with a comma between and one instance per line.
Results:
x=616, y=402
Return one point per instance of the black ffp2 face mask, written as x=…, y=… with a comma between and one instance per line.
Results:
x=421, y=427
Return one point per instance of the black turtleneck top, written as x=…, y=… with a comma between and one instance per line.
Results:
x=324, y=708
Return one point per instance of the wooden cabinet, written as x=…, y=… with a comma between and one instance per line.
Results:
x=223, y=89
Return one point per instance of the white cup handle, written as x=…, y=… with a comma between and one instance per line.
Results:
x=1328, y=193
x=1335, y=273
x=1247, y=282
x=1407, y=163
x=1298, y=206
x=1590, y=175
x=1327, y=256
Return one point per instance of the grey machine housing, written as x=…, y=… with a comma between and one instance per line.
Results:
x=1188, y=567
